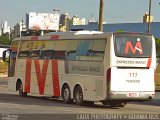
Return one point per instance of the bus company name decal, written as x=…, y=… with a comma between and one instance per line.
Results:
x=130, y=62
x=85, y=68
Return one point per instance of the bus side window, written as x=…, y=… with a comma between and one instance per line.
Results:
x=59, y=54
x=60, y=48
x=98, y=49
x=35, y=54
x=23, y=54
x=47, y=54
x=72, y=50
x=84, y=49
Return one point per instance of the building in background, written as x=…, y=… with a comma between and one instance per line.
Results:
x=64, y=24
x=128, y=27
x=146, y=18
x=77, y=21
x=18, y=29
x=5, y=28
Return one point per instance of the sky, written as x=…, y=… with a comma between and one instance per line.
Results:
x=115, y=11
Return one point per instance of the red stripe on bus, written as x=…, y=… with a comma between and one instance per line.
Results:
x=149, y=62
x=28, y=76
x=55, y=78
x=54, y=37
x=34, y=38
x=41, y=76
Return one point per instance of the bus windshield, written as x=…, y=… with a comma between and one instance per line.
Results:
x=133, y=45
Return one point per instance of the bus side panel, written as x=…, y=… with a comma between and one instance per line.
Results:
x=89, y=75
x=11, y=83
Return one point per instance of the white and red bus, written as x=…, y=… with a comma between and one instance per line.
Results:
x=84, y=66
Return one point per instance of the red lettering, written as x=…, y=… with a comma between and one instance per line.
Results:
x=55, y=78
x=41, y=76
x=28, y=76
x=138, y=47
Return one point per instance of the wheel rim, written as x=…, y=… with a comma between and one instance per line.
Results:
x=66, y=94
x=79, y=96
x=20, y=89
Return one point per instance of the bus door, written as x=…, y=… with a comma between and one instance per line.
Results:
x=10, y=57
x=11, y=65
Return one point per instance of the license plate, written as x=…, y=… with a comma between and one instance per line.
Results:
x=132, y=95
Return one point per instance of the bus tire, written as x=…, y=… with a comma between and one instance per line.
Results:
x=66, y=94
x=115, y=103
x=88, y=103
x=20, y=89
x=118, y=104
x=78, y=96
x=122, y=104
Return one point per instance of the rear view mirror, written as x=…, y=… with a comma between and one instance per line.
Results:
x=5, y=56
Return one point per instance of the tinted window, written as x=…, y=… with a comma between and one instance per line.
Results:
x=35, y=54
x=23, y=54
x=47, y=54
x=72, y=49
x=60, y=49
x=98, y=49
x=133, y=45
x=92, y=50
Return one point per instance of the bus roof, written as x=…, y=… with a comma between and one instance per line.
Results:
x=66, y=35
x=74, y=35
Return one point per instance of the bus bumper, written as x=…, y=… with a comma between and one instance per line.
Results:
x=131, y=95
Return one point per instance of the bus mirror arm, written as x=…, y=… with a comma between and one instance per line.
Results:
x=4, y=55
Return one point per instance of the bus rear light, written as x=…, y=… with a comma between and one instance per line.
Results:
x=109, y=74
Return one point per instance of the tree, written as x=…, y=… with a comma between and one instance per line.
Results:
x=4, y=39
x=158, y=47
x=158, y=42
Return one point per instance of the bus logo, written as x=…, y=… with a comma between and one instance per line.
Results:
x=41, y=75
x=138, y=47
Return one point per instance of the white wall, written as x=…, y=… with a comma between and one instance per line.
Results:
x=1, y=51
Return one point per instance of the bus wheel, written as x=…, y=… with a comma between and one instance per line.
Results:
x=88, y=103
x=78, y=96
x=122, y=104
x=66, y=94
x=118, y=104
x=21, y=93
